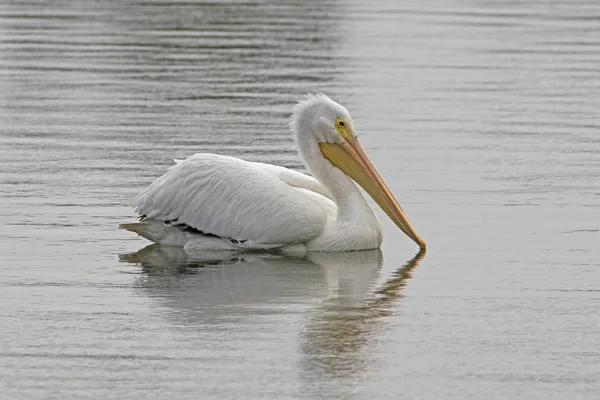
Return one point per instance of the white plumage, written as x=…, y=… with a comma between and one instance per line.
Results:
x=215, y=202
x=235, y=200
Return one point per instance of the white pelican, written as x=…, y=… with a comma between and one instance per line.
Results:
x=214, y=202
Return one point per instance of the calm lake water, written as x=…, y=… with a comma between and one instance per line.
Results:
x=481, y=115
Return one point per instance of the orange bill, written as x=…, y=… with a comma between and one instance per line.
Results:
x=352, y=159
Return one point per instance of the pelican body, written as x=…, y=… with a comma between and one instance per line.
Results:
x=214, y=202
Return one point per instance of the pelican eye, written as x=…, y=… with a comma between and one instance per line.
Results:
x=341, y=127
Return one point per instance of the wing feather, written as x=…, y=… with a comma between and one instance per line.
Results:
x=295, y=178
x=232, y=198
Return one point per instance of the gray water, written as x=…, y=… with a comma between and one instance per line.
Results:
x=482, y=116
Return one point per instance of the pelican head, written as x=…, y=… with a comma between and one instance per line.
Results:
x=324, y=130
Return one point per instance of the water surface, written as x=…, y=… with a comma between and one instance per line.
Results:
x=480, y=115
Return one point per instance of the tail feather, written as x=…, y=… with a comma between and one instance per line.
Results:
x=168, y=235
x=157, y=232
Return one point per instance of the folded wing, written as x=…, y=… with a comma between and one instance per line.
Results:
x=236, y=199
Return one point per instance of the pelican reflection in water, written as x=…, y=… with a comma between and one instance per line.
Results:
x=214, y=202
x=336, y=291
